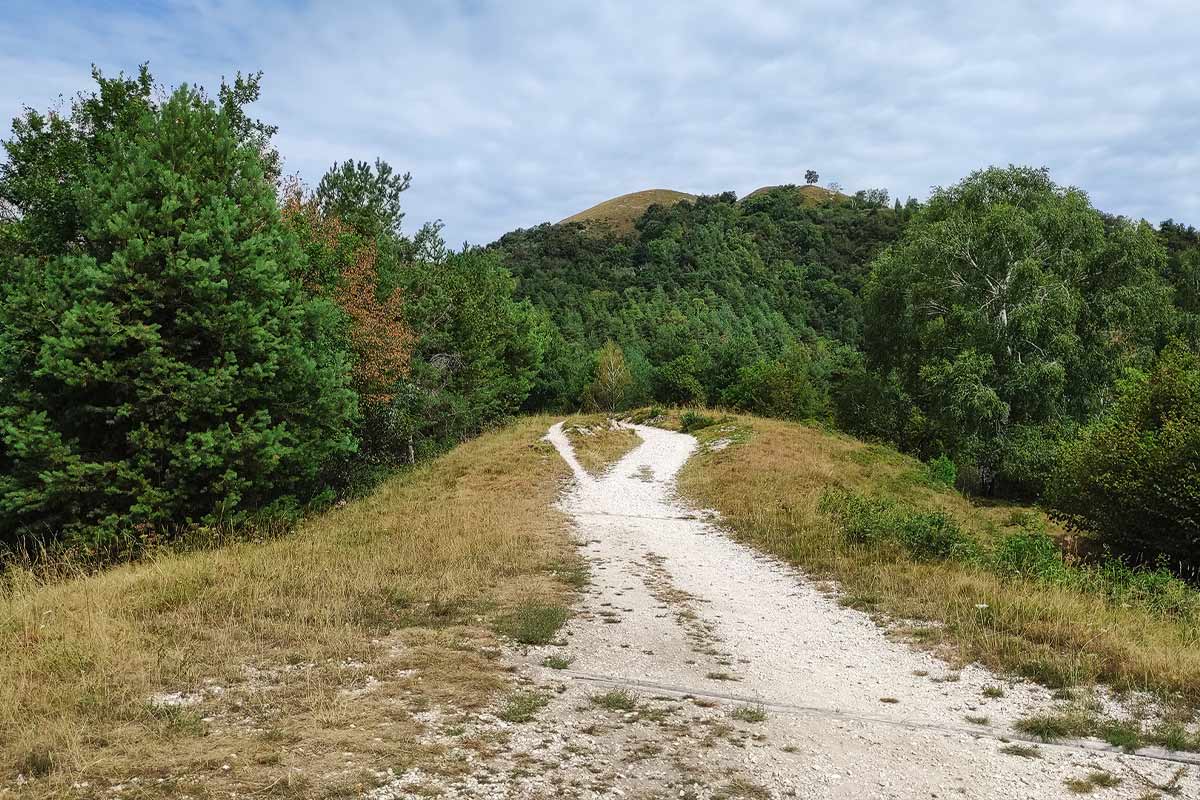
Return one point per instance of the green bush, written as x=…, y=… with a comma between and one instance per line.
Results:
x=942, y=471
x=794, y=385
x=924, y=535
x=932, y=536
x=1030, y=554
x=162, y=369
x=691, y=421
x=1133, y=477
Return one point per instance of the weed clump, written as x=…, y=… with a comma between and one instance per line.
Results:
x=749, y=713
x=522, y=706
x=534, y=623
x=1052, y=727
x=1022, y=750
x=616, y=700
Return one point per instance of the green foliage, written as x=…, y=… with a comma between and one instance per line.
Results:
x=924, y=535
x=477, y=353
x=795, y=385
x=1182, y=272
x=160, y=368
x=690, y=421
x=701, y=291
x=1133, y=476
x=1010, y=302
x=1029, y=554
x=942, y=471
x=611, y=382
x=364, y=197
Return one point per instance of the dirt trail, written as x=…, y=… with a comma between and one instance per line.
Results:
x=709, y=636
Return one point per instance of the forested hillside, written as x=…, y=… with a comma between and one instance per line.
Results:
x=702, y=296
x=190, y=342
x=1032, y=344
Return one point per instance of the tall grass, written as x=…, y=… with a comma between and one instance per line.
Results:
x=597, y=444
x=901, y=544
x=274, y=640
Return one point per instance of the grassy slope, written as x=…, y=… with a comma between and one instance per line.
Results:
x=768, y=487
x=399, y=586
x=812, y=195
x=622, y=212
x=598, y=445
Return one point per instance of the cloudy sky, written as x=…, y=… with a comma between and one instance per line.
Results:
x=510, y=114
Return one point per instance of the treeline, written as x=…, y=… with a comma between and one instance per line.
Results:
x=703, y=297
x=1006, y=326
x=188, y=340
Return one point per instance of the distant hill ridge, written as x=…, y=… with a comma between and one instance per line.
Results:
x=623, y=211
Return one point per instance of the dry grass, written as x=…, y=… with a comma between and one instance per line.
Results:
x=810, y=194
x=768, y=488
x=306, y=656
x=620, y=213
x=597, y=444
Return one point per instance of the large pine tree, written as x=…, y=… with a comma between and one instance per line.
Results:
x=163, y=368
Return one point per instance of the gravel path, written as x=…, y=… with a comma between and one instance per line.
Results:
x=740, y=624
x=700, y=668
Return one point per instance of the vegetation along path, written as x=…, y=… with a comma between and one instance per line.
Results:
x=700, y=666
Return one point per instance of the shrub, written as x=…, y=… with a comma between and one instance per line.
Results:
x=794, y=385
x=932, y=535
x=942, y=471
x=691, y=421
x=1133, y=477
x=924, y=535
x=1030, y=554
x=678, y=381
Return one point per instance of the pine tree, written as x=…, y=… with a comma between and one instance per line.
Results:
x=166, y=370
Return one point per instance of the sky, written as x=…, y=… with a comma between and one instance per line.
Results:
x=516, y=113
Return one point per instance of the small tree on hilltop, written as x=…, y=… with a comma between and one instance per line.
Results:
x=609, y=389
x=811, y=176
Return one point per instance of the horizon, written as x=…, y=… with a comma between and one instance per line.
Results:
x=510, y=116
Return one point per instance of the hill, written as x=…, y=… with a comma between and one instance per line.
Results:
x=622, y=212
x=905, y=545
x=263, y=649
x=809, y=194
x=699, y=290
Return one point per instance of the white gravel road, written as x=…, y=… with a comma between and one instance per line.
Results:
x=860, y=715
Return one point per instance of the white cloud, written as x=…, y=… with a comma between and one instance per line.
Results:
x=510, y=114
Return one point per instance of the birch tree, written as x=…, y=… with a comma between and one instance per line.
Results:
x=1012, y=303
